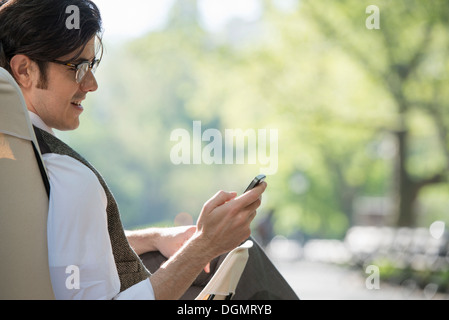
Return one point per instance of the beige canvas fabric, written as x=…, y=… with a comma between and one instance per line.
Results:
x=24, y=270
x=224, y=282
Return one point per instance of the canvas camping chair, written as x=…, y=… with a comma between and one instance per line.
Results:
x=24, y=269
x=224, y=282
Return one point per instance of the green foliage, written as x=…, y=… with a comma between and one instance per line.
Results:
x=332, y=88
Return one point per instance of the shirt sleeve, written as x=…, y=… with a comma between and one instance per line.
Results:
x=81, y=261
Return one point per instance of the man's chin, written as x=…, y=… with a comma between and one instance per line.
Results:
x=69, y=126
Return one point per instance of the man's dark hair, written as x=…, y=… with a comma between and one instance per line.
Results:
x=39, y=30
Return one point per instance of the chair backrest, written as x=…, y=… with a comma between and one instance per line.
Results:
x=24, y=269
x=225, y=280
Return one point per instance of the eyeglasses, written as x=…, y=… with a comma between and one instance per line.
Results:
x=81, y=68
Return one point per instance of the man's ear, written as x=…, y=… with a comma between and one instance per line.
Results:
x=22, y=70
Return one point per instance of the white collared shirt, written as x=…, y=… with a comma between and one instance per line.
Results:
x=80, y=254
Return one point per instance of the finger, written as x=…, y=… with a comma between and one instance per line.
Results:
x=207, y=268
x=252, y=195
x=189, y=232
x=252, y=215
x=253, y=206
x=251, y=211
x=218, y=199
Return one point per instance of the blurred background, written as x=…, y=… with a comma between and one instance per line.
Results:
x=358, y=95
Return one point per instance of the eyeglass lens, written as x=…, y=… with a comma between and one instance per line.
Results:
x=84, y=69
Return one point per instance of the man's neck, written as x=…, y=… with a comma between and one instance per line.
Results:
x=38, y=122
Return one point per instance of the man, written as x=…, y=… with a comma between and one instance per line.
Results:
x=54, y=66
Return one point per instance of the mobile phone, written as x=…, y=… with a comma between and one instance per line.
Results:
x=258, y=179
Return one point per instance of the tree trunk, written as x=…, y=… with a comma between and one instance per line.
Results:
x=405, y=190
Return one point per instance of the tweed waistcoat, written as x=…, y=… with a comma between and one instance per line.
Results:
x=129, y=266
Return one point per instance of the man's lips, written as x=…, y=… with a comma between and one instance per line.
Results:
x=77, y=104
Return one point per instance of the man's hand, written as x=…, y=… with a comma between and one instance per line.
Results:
x=165, y=240
x=172, y=239
x=225, y=219
x=223, y=224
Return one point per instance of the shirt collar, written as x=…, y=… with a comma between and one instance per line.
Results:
x=37, y=122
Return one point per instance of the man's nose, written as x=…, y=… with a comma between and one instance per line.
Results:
x=89, y=83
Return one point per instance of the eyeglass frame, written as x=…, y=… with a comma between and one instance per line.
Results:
x=92, y=65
